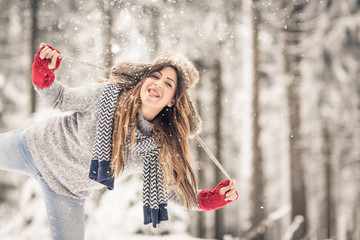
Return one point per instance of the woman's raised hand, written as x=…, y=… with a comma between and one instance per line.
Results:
x=224, y=193
x=230, y=191
x=49, y=53
x=46, y=61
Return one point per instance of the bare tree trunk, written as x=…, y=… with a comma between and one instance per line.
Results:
x=357, y=178
x=201, y=226
x=298, y=199
x=152, y=33
x=219, y=214
x=107, y=34
x=329, y=206
x=292, y=69
x=5, y=53
x=257, y=175
x=33, y=48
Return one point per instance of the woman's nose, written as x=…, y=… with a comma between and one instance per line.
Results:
x=158, y=84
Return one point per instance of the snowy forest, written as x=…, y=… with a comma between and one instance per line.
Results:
x=279, y=97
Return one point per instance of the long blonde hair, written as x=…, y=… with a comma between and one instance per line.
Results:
x=171, y=132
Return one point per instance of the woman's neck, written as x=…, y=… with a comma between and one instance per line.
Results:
x=148, y=113
x=143, y=125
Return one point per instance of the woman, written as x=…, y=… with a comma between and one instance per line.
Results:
x=139, y=121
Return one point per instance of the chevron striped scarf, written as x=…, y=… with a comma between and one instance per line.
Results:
x=154, y=196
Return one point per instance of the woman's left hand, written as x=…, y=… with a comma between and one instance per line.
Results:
x=224, y=193
x=230, y=191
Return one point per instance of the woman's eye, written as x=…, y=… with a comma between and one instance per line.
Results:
x=169, y=84
x=155, y=76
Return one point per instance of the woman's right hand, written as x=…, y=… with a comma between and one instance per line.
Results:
x=46, y=61
x=49, y=52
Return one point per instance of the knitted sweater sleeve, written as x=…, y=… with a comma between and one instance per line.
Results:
x=78, y=99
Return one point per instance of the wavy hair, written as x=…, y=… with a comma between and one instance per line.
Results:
x=171, y=130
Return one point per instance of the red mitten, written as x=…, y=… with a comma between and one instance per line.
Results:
x=42, y=76
x=212, y=199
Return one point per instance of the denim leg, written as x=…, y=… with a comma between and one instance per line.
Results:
x=14, y=154
x=66, y=215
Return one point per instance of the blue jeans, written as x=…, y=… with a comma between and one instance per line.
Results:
x=65, y=214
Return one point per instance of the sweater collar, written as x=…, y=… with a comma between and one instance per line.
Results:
x=144, y=125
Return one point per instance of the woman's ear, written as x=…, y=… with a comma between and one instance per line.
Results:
x=171, y=103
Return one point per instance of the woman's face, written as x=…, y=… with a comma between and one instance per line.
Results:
x=158, y=90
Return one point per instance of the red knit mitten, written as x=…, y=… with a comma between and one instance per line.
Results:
x=42, y=76
x=212, y=199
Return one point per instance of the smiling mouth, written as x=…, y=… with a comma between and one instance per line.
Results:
x=153, y=92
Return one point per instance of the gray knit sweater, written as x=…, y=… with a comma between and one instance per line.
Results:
x=62, y=146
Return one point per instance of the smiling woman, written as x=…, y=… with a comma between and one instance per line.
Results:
x=138, y=121
x=158, y=91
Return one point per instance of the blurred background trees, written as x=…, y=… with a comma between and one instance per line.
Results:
x=279, y=97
